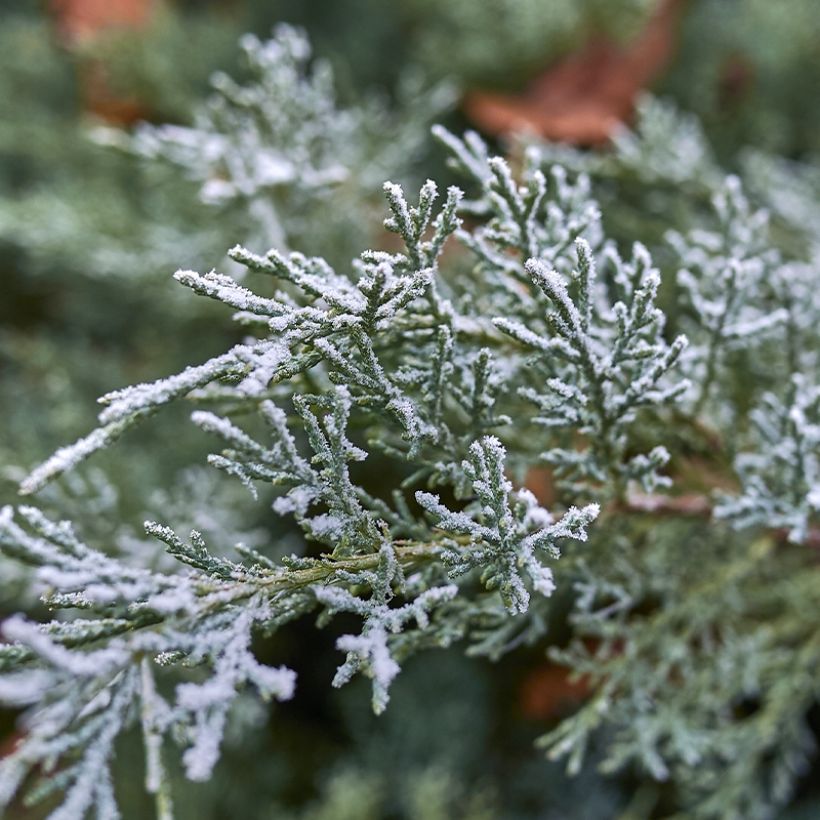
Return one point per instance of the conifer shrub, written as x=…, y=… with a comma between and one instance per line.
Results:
x=405, y=407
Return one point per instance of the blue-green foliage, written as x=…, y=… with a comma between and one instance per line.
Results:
x=493, y=333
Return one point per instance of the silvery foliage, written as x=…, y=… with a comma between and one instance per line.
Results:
x=674, y=659
x=538, y=338
x=744, y=303
x=781, y=476
x=674, y=651
x=370, y=650
x=665, y=145
x=597, y=354
x=405, y=353
x=790, y=189
x=142, y=621
x=502, y=542
x=746, y=295
x=665, y=148
x=279, y=145
x=724, y=277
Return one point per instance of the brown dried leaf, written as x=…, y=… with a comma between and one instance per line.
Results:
x=584, y=97
x=78, y=23
x=548, y=692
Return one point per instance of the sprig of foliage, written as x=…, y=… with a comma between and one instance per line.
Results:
x=507, y=331
x=278, y=147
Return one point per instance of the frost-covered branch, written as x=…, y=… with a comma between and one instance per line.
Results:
x=396, y=406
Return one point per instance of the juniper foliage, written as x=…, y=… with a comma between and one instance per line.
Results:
x=531, y=340
x=278, y=148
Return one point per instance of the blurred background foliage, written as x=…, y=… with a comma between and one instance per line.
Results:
x=89, y=238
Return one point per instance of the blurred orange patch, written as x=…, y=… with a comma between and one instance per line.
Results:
x=78, y=23
x=547, y=692
x=81, y=20
x=583, y=98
